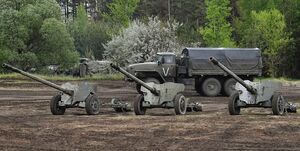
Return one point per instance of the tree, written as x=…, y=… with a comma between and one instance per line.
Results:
x=267, y=31
x=217, y=32
x=57, y=45
x=190, y=13
x=20, y=32
x=289, y=64
x=78, y=28
x=89, y=35
x=140, y=42
x=120, y=13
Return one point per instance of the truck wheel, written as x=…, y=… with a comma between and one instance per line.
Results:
x=138, y=105
x=278, y=104
x=92, y=105
x=147, y=80
x=54, y=106
x=232, y=104
x=229, y=86
x=211, y=87
x=180, y=104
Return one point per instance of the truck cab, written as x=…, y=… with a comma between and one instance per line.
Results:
x=161, y=69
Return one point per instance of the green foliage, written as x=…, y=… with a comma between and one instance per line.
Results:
x=57, y=45
x=25, y=60
x=120, y=13
x=218, y=31
x=5, y=56
x=89, y=36
x=30, y=30
x=13, y=33
x=290, y=10
x=191, y=13
x=78, y=29
x=267, y=31
x=25, y=44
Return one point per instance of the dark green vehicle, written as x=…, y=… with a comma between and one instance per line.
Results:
x=194, y=63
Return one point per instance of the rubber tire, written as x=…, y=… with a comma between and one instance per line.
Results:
x=137, y=105
x=275, y=105
x=207, y=92
x=92, y=105
x=232, y=108
x=228, y=85
x=146, y=80
x=178, y=104
x=55, y=108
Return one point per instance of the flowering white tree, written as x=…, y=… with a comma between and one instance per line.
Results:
x=141, y=41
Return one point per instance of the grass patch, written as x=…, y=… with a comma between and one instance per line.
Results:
x=16, y=76
x=281, y=79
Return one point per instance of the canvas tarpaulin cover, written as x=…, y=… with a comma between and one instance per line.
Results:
x=239, y=60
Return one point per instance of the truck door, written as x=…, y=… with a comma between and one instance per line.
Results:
x=168, y=66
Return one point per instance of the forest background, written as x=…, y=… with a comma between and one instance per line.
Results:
x=39, y=33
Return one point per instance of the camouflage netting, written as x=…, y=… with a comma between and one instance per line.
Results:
x=90, y=67
x=140, y=42
x=98, y=66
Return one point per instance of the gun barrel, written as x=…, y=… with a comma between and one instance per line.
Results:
x=48, y=83
x=238, y=79
x=137, y=80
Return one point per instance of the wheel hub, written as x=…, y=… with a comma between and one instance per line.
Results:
x=94, y=105
x=280, y=104
x=182, y=104
x=211, y=86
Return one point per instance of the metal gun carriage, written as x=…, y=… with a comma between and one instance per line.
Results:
x=255, y=94
x=166, y=95
x=70, y=95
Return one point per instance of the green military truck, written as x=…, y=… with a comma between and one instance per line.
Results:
x=194, y=63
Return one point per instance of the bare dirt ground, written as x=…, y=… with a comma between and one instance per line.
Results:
x=26, y=123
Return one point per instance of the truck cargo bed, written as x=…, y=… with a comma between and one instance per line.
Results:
x=242, y=61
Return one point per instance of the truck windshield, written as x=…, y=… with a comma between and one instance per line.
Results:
x=166, y=59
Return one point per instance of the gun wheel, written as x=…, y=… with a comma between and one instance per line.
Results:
x=278, y=104
x=54, y=106
x=232, y=104
x=180, y=104
x=138, y=105
x=92, y=105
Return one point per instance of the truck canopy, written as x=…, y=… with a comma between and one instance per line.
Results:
x=242, y=61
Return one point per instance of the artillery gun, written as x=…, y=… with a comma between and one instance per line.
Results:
x=255, y=94
x=70, y=96
x=167, y=95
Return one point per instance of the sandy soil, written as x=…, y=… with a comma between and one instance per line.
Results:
x=26, y=123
